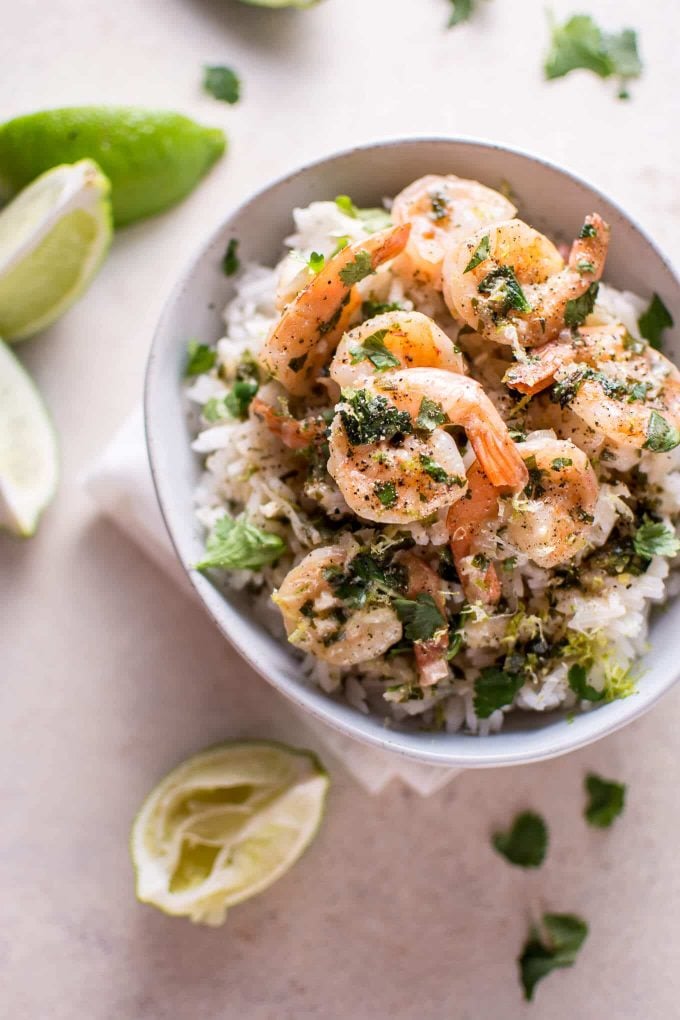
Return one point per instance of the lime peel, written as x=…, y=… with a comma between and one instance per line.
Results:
x=224, y=825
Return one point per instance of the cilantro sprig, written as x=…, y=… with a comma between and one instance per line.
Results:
x=654, y=538
x=495, y=688
x=421, y=616
x=236, y=544
x=581, y=44
x=557, y=946
x=373, y=349
x=525, y=843
x=653, y=321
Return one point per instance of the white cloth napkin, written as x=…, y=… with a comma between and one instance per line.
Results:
x=121, y=486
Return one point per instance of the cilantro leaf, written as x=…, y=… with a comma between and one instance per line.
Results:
x=525, y=843
x=654, y=321
x=561, y=462
x=438, y=474
x=374, y=219
x=653, y=538
x=606, y=800
x=462, y=11
x=222, y=83
x=578, y=681
x=386, y=493
x=316, y=262
x=421, y=616
x=504, y=290
x=238, y=545
x=374, y=350
x=581, y=43
x=494, y=688
x=480, y=254
x=346, y=206
x=367, y=578
x=200, y=358
x=661, y=436
x=230, y=262
x=430, y=415
x=370, y=308
x=578, y=310
x=359, y=269
x=369, y=419
x=565, y=933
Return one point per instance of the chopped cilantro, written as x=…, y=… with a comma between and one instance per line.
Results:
x=437, y=472
x=564, y=936
x=200, y=358
x=374, y=219
x=606, y=802
x=462, y=11
x=316, y=262
x=481, y=254
x=222, y=83
x=370, y=308
x=238, y=545
x=653, y=538
x=534, y=488
x=340, y=244
x=661, y=436
x=581, y=43
x=357, y=270
x=430, y=415
x=374, y=350
x=561, y=462
x=578, y=681
x=295, y=364
x=578, y=310
x=654, y=321
x=368, y=419
x=421, y=616
x=525, y=843
x=494, y=688
x=346, y=206
x=504, y=291
x=440, y=207
x=587, y=230
x=386, y=493
x=230, y=262
x=585, y=266
x=368, y=578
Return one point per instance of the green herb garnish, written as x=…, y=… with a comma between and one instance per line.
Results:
x=357, y=270
x=578, y=681
x=373, y=219
x=560, y=463
x=504, y=291
x=346, y=206
x=587, y=230
x=534, y=488
x=439, y=205
x=584, y=266
x=386, y=493
x=421, y=616
x=200, y=358
x=238, y=545
x=316, y=262
x=462, y=11
x=564, y=934
x=606, y=800
x=369, y=309
x=654, y=321
x=437, y=472
x=580, y=43
x=369, y=419
x=525, y=843
x=661, y=436
x=653, y=538
x=495, y=688
x=430, y=415
x=578, y=310
x=481, y=254
x=222, y=83
x=231, y=263
x=374, y=350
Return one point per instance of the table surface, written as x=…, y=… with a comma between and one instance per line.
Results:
x=109, y=676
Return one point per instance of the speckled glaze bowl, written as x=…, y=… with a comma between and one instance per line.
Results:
x=549, y=198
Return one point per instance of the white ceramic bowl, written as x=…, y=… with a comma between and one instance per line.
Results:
x=549, y=198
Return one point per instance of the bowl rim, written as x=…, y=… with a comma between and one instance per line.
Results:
x=479, y=752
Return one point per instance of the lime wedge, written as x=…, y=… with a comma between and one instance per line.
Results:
x=224, y=825
x=29, y=459
x=153, y=158
x=53, y=237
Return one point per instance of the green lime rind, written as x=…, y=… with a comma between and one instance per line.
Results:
x=224, y=825
x=53, y=238
x=152, y=158
x=29, y=456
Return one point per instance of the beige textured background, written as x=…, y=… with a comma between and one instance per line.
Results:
x=400, y=909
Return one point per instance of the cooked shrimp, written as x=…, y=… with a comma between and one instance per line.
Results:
x=317, y=621
x=430, y=654
x=393, y=340
x=618, y=385
x=307, y=333
x=396, y=484
x=549, y=521
x=295, y=433
x=442, y=211
x=509, y=282
x=465, y=521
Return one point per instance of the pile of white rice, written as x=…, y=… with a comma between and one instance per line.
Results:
x=248, y=471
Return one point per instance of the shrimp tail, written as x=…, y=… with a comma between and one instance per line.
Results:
x=498, y=456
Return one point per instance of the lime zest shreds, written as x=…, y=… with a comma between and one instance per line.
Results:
x=29, y=457
x=224, y=825
x=53, y=238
